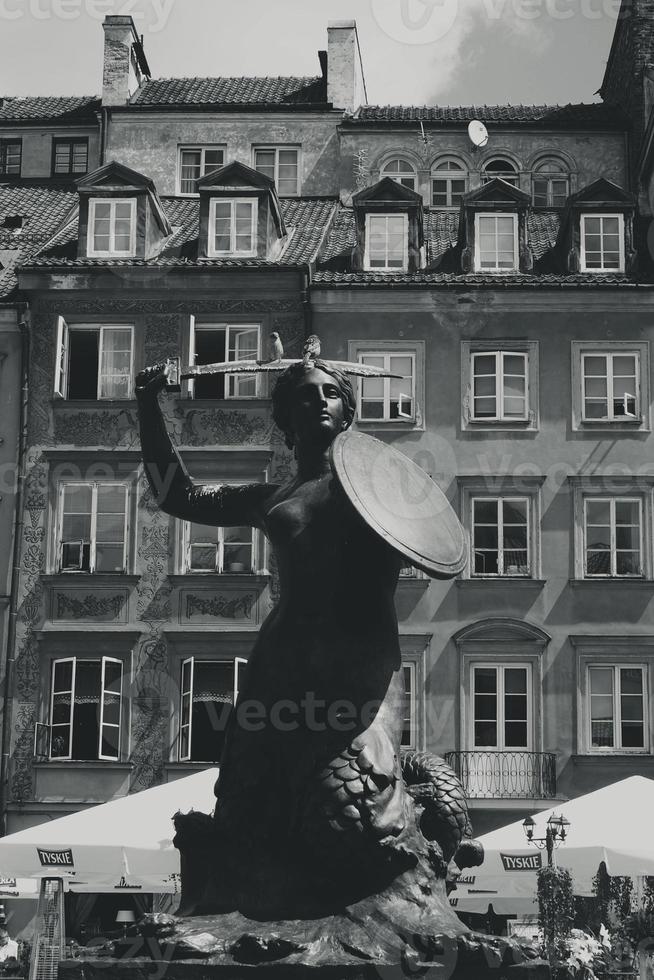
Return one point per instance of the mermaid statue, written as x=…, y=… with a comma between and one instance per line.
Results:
x=324, y=834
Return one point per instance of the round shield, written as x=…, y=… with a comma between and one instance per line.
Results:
x=398, y=500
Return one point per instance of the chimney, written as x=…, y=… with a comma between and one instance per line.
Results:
x=125, y=65
x=346, y=87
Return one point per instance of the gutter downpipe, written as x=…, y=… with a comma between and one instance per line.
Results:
x=15, y=571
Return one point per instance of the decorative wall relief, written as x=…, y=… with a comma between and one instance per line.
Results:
x=231, y=605
x=140, y=306
x=106, y=609
x=112, y=428
x=150, y=744
x=225, y=428
x=163, y=334
x=22, y=758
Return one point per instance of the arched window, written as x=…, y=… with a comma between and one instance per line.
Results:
x=449, y=182
x=551, y=183
x=500, y=167
x=401, y=171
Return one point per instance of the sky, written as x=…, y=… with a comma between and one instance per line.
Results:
x=415, y=52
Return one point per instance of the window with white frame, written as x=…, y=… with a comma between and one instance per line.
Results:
x=387, y=242
x=500, y=536
x=602, y=243
x=401, y=171
x=613, y=533
x=10, y=157
x=550, y=184
x=219, y=549
x=449, y=182
x=388, y=399
x=496, y=242
x=611, y=383
x=208, y=693
x=499, y=386
x=212, y=343
x=410, y=717
x=195, y=162
x=86, y=709
x=94, y=360
x=92, y=527
x=112, y=227
x=500, y=167
x=282, y=165
x=501, y=712
x=616, y=707
x=70, y=156
x=233, y=227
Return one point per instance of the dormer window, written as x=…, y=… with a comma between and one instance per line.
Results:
x=233, y=227
x=401, y=171
x=500, y=167
x=496, y=242
x=386, y=242
x=551, y=184
x=112, y=227
x=602, y=243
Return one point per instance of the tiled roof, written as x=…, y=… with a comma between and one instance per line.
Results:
x=498, y=281
x=43, y=210
x=441, y=235
x=230, y=91
x=306, y=219
x=35, y=107
x=595, y=114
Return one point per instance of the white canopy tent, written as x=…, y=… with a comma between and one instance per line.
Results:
x=125, y=845
x=613, y=824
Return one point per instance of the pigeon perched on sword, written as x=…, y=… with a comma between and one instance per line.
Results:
x=276, y=362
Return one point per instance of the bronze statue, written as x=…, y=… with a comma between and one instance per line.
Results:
x=317, y=812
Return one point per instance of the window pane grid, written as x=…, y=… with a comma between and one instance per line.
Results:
x=281, y=165
x=85, y=709
x=401, y=171
x=220, y=549
x=196, y=162
x=10, y=158
x=112, y=227
x=610, y=386
x=501, y=716
x=500, y=536
x=612, y=530
x=234, y=227
x=499, y=386
x=616, y=707
x=496, y=242
x=93, y=527
x=388, y=399
x=225, y=343
x=386, y=242
x=602, y=242
x=70, y=157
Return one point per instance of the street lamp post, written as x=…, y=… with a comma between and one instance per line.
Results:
x=555, y=833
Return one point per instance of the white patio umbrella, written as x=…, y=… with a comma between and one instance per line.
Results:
x=124, y=845
x=612, y=824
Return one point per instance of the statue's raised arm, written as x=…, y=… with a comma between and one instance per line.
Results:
x=176, y=493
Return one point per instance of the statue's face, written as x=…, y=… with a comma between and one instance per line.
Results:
x=317, y=414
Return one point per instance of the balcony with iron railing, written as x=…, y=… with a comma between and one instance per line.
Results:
x=517, y=775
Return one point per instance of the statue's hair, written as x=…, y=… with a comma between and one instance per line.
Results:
x=282, y=395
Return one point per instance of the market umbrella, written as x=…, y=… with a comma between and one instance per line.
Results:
x=124, y=845
x=612, y=824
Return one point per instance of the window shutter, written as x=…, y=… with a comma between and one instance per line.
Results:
x=110, y=709
x=239, y=664
x=191, y=352
x=61, y=363
x=62, y=698
x=41, y=740
x=186, y=711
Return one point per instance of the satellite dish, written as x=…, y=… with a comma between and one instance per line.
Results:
x=478, y=133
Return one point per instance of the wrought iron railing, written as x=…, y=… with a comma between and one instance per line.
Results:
x=505, y=775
